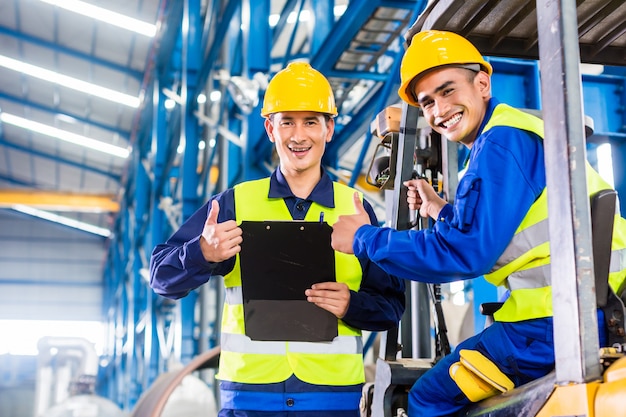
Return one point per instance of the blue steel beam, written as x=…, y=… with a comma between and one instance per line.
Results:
x=158, y=229
x=604, y=98
x=216, y=45
x=167, y=44
x=618, y=151
x=348, y=134
x=324, y=13
x=292, y=37
x=17, y=182
x=191, y=37
x=387, y=91
x=125, y=134
x=358, y=125
x=55, y=158
x=357, y=13
x=187, y=49
x=288, y=8
x=381, y=99
x=232, y=45
x=605, y=102
x=258, y=60
x=516, y=81
x=21, y=36
x=141, y=206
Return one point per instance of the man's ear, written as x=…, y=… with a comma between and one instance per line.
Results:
x=330, y=126
x=483, y=81
x=269, y=128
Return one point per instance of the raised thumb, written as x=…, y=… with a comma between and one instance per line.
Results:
x=214, y=210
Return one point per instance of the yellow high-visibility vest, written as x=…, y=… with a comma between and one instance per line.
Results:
x=244, y=360
x=524, y=266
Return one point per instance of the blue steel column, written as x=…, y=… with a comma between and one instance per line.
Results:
x=618, y=143
x=258, y=56
x=232, y=155
x=158, y=231
x=191, y=41
x=605, y=102
x=126, y=350
x=618, y=149
x=323, y=11
x=142, y=309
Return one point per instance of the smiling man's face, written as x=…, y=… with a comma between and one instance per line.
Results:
x=454, y=101
x=300, y=138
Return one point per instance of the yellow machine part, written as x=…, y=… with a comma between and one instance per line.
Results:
x=594, y=399
x=612, y=392
x=571, y=400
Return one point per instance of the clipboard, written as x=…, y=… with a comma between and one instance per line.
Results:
x=279, y=260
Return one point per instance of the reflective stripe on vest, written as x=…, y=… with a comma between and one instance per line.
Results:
x=243, y=360
x=241, y=344
x=524, y=266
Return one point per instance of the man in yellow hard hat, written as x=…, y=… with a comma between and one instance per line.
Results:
x=285, y=378
x=497, y=227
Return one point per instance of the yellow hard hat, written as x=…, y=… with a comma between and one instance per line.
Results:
x=299, y=87
x=435, y=48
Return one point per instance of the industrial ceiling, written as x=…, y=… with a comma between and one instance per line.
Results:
x=67, y=73
x=81, y=84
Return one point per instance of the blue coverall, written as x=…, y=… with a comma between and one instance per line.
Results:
x=177, y=267
x=505, y=175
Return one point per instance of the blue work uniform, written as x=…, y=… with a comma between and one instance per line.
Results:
x=505, y=175
x=178, y=267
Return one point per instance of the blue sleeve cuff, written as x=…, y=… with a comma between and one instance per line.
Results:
x=446, y=213
x=360, y=238
x=195, y=256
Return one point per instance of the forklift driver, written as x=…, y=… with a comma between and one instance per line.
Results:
x=497, y=226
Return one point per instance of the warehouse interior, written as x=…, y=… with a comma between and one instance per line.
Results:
x=118, y=119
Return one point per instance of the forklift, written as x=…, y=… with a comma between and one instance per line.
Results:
x=587, y=381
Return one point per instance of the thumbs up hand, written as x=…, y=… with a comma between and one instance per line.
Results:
x=219, y=241
x=346, y=226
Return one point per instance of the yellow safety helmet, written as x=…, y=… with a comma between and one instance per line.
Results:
x=299, y=87
x=430, y=49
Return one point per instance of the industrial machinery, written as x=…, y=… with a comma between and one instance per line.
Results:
x=66, y=380
x=586, y=381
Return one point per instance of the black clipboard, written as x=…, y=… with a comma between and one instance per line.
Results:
x=279, y=260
